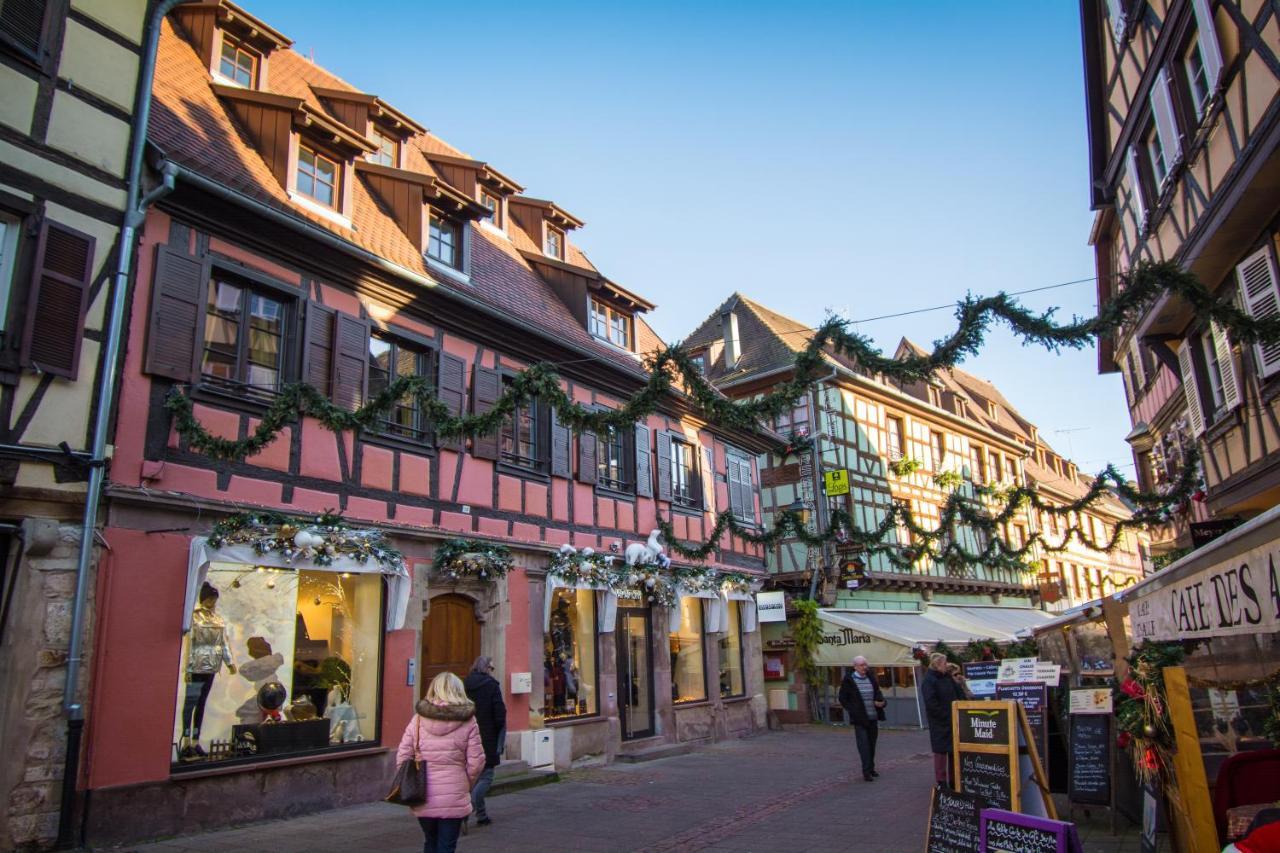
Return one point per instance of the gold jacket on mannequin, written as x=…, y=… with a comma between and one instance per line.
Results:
x=209, y=649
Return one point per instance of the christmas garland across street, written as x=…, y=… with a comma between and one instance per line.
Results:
x=1143, y=284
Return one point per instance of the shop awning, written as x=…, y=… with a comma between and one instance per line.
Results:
x=997, y=623
x=884, y=638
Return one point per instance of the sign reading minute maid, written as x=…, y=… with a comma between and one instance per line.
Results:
x=1237, y=596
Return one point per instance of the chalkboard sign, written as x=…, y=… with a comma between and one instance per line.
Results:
x=1090, y=758
x=985, y=724
x=989, y=777
x=1033, y=697
x=953, y=823
x=1008, y=832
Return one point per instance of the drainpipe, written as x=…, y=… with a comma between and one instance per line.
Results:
x=134, y=214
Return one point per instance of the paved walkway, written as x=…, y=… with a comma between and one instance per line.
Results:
x=798, y=790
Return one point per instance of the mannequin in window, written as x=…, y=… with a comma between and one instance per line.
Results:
x=207, y=651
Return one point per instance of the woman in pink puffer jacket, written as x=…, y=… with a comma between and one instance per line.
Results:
x=445, y=735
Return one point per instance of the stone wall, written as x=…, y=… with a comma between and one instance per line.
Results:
x=33, y=669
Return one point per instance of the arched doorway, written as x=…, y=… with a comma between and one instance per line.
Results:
x=450, y=637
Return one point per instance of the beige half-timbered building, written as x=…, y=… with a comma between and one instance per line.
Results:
x=912, y=444
x=1183, y=124
x=68, y=74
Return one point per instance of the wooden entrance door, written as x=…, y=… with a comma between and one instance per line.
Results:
x=450, y=638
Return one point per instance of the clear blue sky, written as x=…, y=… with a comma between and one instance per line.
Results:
x=867, y=157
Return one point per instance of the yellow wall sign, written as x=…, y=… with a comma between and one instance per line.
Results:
x=836, y=482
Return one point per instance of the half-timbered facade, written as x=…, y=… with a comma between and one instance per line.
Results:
x=317, y=234
x=68, y=73
x=872, y=443
x=1183, y=124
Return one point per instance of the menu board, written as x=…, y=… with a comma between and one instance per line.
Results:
x=980, y=675
x=987, y=776
x=1033, y=697
x=1008, y=832
x=953, y=823
x=1090, y=754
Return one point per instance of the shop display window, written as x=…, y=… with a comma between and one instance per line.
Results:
x=688, y=669
x=569, y=656
x=1093, y=649
x=731, y=682
x=279, y=662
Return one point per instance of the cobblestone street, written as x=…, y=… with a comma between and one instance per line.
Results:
x=798, y=790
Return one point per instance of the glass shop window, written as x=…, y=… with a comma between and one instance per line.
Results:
x=569, y=656
x=278, y=662
x=688, y=672
x=731, y=682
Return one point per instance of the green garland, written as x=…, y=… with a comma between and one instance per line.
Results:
x=319, y=539
x=471, y=558
x=938, y=542
x=1141, y=710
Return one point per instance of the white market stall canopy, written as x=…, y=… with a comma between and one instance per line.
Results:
x=991, y=621
x=889, y=637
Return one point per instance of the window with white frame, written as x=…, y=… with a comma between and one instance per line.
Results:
x=388, y=149
x=610, y=324
x=494, y=203
x=1197, y=76
x=10, y=227
x=444, y=241
x=1213, y=371
x=237, y=63
x=553, y=242
x=1260, y=289
x=318, y=177
x=893, y=429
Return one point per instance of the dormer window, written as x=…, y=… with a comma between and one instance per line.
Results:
x=553, y=242
x=388, y=152
x=444, y=241
x=610, y=324
x=238, y=64
x=494, y=203
x=318, y=177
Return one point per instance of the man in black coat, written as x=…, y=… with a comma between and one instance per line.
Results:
x=938, y=691
x=863, y=705
x=491, y=717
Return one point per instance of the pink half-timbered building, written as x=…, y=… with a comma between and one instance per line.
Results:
x=315, y=233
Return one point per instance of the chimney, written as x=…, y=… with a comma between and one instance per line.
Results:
x=732, y=343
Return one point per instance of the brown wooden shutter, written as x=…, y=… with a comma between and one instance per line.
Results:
x=664, y=466
x=704, y=475
x=561, y=448
x=451, y=388
x=350, y=361
x=644, y=463
x=588, y=470
x=486, y=388
x=58, y=299
x=317, y=355
x=176, y=326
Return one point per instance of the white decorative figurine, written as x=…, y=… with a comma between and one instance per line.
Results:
x=646, y=554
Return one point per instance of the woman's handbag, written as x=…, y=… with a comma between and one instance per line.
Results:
x=409, y=788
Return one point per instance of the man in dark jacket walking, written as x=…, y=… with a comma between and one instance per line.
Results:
x=491, y=716
x=938, y=691
x=863, y=705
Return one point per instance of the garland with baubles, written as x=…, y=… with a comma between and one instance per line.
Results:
x=939, y=543
x=320, y=539
x=1142, y=710
x=656, y=582
x=458, y=559
x=979, y=650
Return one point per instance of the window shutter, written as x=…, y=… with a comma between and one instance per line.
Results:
x=736, y=504
x=451, y=389
x=1207, y=35
x=1166, y=124
x=1135, y=185
x=561, y=447
x=1139, y=368
x=486, y=388
x=1227, y=366
x=58, y=300
x=707, y=476
x=1190, y=387
x=588, y=472
x=1119, y=20
x=317, y=357
x=176, y=326
x=1261, y=288
x=644, y=463
x=664, y=466
x=350, y=361
x=22, y=21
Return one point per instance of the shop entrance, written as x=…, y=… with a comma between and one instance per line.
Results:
x=635, y=669
x=450, y=638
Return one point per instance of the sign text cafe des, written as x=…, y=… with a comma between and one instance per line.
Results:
x=1237, y=596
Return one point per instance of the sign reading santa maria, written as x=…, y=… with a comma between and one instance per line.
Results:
x=1240, y=595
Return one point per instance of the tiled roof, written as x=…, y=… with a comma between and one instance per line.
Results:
x=195, y=129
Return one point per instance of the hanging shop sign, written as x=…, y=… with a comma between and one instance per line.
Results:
x=771, y=607
x=1019, y=670
x=835, y=482
x=1240, y=595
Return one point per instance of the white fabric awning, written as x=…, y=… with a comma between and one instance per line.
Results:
x=997, y=623
x=673, y=620
x=201, y=555
x=746, y=609
x=884, y=637
x=606, y=602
